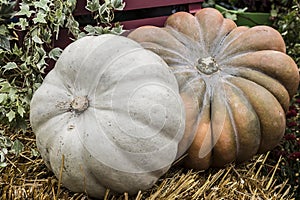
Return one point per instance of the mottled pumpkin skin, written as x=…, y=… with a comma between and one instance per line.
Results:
x=236, y=83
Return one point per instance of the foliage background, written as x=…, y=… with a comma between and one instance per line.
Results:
x=28, y=32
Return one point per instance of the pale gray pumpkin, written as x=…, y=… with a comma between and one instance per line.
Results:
x=112, y=110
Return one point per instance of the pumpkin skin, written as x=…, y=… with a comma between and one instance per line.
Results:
x=236, y=83
x=112, y=110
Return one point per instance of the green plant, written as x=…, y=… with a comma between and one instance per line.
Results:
x=233, y=14
x=26, y=46
x=22, y=65
x=37, y=24
x=289, y=149
x=245, y=12
x=7, y=146
x=287, y=22
x=103, y=14
x=6, y=12
x=251, y=5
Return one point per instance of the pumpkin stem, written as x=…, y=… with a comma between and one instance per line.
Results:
x=207, y=65
x=79, y=104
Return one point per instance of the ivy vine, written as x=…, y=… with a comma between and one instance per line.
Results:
x=27, y=32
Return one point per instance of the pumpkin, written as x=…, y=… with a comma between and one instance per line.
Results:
x=109, y=115
x=236, y=83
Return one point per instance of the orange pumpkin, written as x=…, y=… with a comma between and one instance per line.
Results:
x=236, y=83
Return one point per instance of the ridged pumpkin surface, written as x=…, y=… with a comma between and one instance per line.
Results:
x=236, y=83
x=108, y=115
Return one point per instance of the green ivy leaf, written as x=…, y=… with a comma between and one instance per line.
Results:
x=17, y=147
x=117, y=29
x=107, y=2
x=81, y=35
x=3, y=164
x=12, y=94
x=24, y=10
x=17, y=51
x=21, y=110
x=36, y=86
x=89, y=29
x=3, y=30
x=71, y=4
x=118, y=4
x=34, y=153
x=5, y=142
x=43, y=4
x=41, y=51
x=274, y=12
x=7, y=9
x=55, y=53
x=93, y=30
x=231, y=16
x=3, y=97
x=46, y=36
x=60, y=16
x=10, y=66
x=37, y=40
x=4, y=151
x=40, y=18
x=73, y=26
x=22, y=23
x=5, y=86
x=92, y=5
x=11, y=115
x=2, y=155
x=4, y=43
x=41, y=65
x=5, y=1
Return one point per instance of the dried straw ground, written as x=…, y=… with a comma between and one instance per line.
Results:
x=27, y=178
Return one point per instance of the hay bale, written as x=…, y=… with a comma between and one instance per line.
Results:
x=26, y=177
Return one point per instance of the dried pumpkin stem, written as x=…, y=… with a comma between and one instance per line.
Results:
x=79, y=104
x=207, y=65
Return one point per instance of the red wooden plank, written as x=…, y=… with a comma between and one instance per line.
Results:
x=155, y=21
x=140, y=4
x=194, y=7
